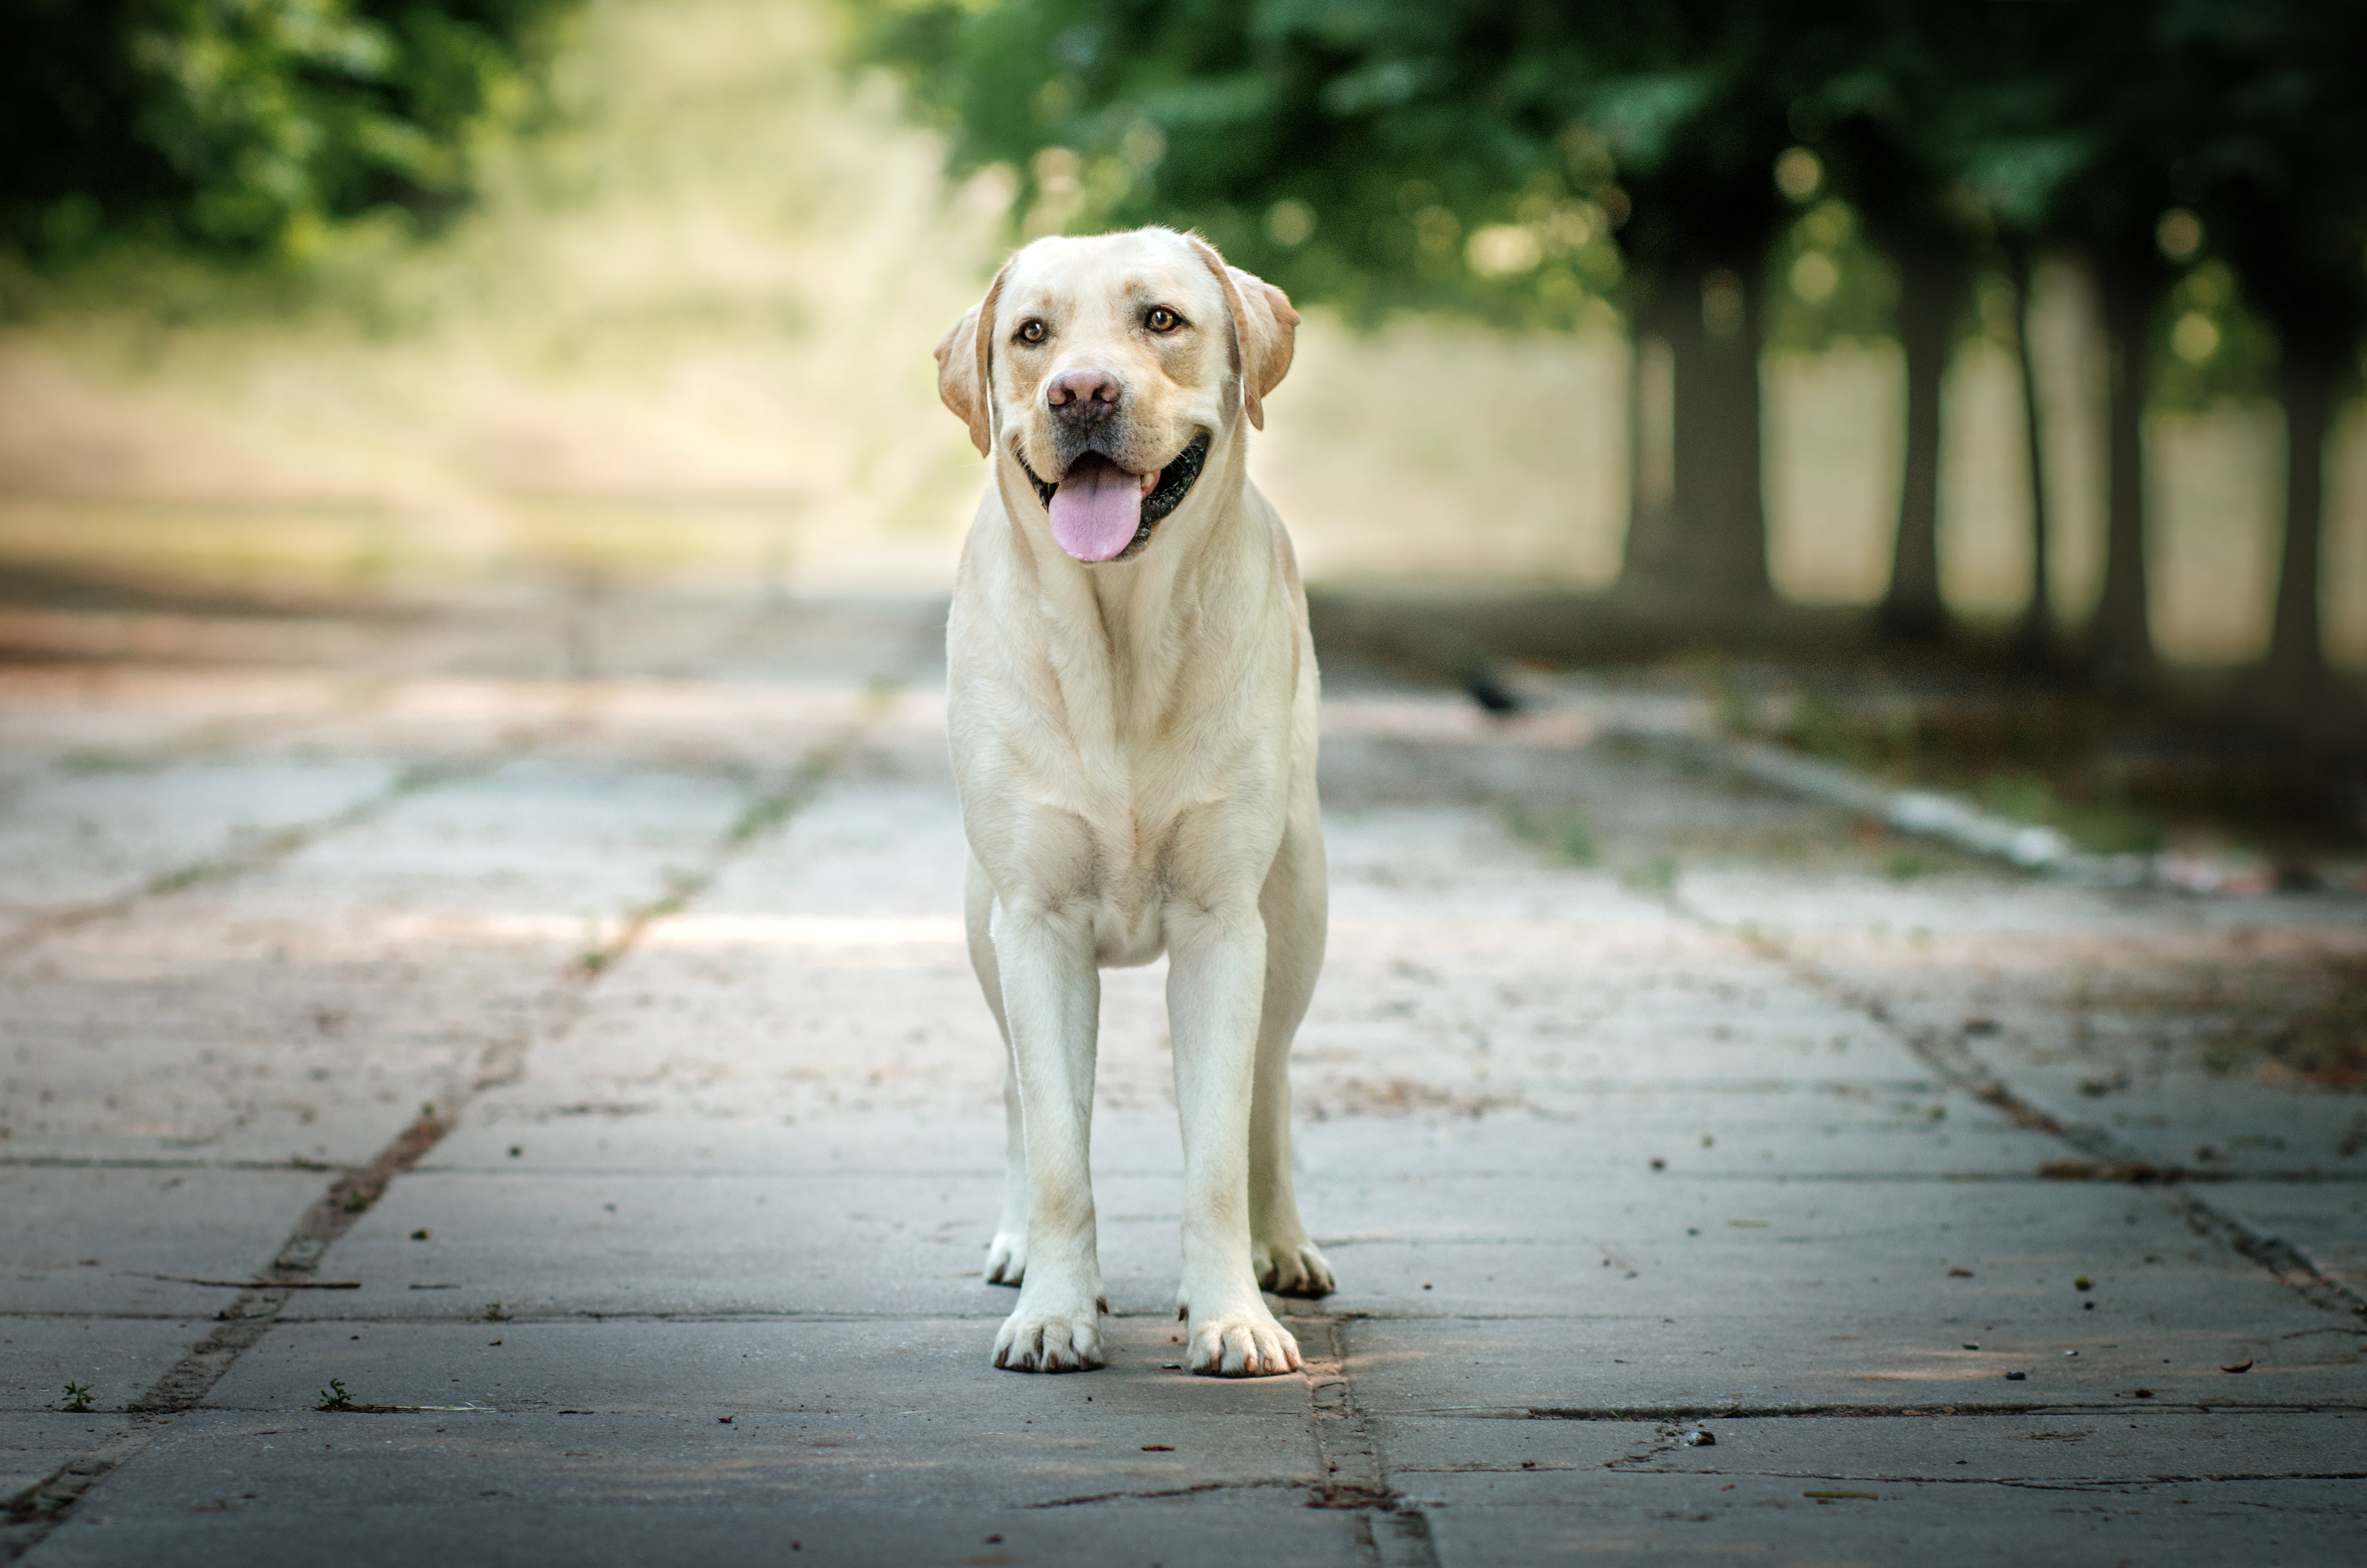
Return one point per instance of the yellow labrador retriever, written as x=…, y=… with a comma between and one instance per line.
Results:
x=1131, y=699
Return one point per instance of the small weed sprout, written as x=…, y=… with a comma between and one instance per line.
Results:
x=335, y=1396
x=78, y=1396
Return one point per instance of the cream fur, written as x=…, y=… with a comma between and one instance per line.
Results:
x=1134, y=743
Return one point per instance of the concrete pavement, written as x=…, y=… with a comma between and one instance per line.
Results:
x=607, y=1048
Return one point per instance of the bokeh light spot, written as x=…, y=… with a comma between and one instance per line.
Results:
x=2179, y=234
x=2195, y=338
x=1814, y=277
x=1798, y=173
x=1290, y=222
x=1503, y=250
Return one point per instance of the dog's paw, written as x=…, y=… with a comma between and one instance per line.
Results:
x=1244, y=1347
x=1006, y=1258
x=1032, y=1341
x=1297, y=1270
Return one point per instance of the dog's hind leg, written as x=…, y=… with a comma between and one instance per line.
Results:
x=1006, y=1256
x=1293, y=903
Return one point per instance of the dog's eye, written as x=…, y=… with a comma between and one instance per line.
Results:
x=1160, y=318
x=1030, y=331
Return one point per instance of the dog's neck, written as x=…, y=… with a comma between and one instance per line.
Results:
x=1137, y=640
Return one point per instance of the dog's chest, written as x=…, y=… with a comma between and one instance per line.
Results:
x=1153, y=845
x=1115, y=825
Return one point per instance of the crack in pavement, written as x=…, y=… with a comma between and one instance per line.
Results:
x=1665, y=1440
x=1193, y=1490
x=42, y=1507
x=1957, y=1067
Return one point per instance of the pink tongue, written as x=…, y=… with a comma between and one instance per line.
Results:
x=1097, y=509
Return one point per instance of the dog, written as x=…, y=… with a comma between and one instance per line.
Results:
x=1131, y=708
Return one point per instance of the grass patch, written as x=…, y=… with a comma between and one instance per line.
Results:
x=2107, y=825
x=1908, y=865
x=2031, y=762
x=1562, y=834
x=1656, y=875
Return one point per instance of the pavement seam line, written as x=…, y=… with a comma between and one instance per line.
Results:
x=240, y=859
x=40, y=1508
x=1957, y=1068
x=1388, y=1534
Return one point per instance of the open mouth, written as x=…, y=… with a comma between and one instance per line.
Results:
x=1101, y=513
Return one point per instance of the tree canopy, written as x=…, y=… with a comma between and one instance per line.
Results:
x=243, y=127
x=1514, y=159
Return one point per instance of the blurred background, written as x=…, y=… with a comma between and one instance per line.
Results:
x=1967, y=395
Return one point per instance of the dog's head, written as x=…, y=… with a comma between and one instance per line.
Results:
x=1106, y=366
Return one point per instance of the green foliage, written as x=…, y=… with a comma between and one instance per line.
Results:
x=1825, y=282
x=2214, y=344
x=1525, y=163
x=1378, y=155
x=247, y=127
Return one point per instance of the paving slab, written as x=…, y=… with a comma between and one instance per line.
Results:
x=1752, y=1131
x=507, y=1525
x=312, y=1008
x=96, y=827
x=912, y=1460
x=1473, y=1520
x=2082, y=1447
x=718, y=1242
x=2328, y=1223
x=879, y=1367
x=2152, y=1016
x=81, y=1239
x=118, y=1359
x=1734, y=1360
x=34, y=1445
x=684, y=1115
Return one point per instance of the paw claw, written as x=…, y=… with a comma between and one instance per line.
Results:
x=1243, y=1347
x=1032, y=1341
x=1006, y=1260
x=1294, y=1270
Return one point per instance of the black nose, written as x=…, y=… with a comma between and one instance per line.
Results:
x=1083, y=399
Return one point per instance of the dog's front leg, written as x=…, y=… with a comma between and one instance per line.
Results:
x=1051, y=1000
x=1216, y=983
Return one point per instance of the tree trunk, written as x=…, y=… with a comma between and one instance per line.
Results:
x=2036, y=639
x=1931, y=297
x=1652, y=546
x=1710, y=555
x=2120, y=638
x=2296, y=667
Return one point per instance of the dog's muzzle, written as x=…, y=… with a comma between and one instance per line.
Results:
x=1078, y=524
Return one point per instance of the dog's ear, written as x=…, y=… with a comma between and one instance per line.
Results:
x=966, y=368
x=1264, y=328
